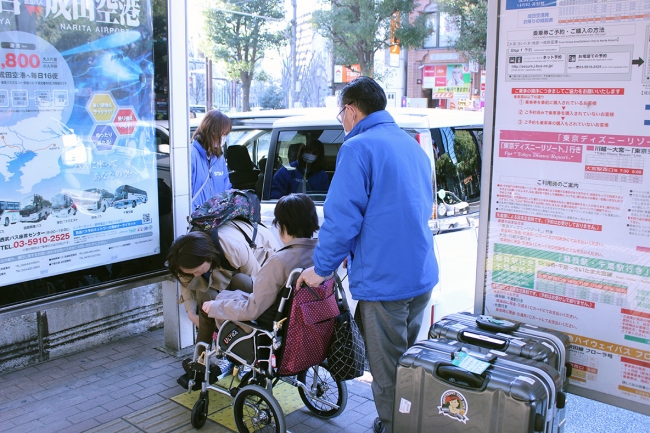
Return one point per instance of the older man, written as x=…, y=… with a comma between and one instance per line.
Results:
x=376, y=213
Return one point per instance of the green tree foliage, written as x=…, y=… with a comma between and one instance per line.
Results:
x=450, y=176
x=444, y=165
x=466, y=153
x=359, y=28
x=273, y=98
x=470, y=18
x=160, y=50
x=241, y=40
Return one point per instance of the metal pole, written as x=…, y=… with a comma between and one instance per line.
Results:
x=292, y=60
x=179, y=330
x=208, y=85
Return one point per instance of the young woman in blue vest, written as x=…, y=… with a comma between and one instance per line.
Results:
x=209, y=172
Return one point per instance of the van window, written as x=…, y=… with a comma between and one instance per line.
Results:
x=257, y=142
x=458, y=162
x=292, y=176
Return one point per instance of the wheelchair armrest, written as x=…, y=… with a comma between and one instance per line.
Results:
x=250, y=324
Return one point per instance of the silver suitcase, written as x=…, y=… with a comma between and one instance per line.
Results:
x=514, y=395
x=513, y=338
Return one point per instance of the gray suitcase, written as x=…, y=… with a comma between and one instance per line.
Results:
x=514, y=395
x=513, y=338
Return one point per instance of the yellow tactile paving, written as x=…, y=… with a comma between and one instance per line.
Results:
x=220, y=405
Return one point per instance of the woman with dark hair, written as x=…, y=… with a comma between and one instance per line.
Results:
x=306, y=174
x=296, y=220
x=209, y=172
x=201, y=269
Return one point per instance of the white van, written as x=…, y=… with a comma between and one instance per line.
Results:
x=455, y=239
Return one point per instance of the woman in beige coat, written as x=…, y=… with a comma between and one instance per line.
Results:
x=194, y=260
x=296, y=220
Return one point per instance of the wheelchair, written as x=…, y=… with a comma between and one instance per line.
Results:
x=251, y=346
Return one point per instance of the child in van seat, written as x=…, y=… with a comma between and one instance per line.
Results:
x=296, y=220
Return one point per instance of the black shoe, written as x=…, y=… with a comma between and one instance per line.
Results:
x=378, y=426
x=184, y=380
x=215, y=372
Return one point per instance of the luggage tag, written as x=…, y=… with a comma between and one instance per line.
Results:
x=497, y=325
x=469, y=363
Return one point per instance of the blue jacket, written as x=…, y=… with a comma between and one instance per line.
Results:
x=377, y=211
x=287, y=181
x=216, y=168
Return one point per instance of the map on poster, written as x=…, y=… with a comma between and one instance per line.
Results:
x=569, y=223
x=78, y=179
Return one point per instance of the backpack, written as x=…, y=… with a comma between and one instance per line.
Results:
x=232, y=204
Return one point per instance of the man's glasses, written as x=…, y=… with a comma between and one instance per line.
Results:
x=338, y=116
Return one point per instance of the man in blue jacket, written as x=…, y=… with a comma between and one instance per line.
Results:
x=376, y=213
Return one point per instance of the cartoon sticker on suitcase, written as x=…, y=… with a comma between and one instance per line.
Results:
x=454, y=405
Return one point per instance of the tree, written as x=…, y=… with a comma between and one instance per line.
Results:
x=197, y=88
x=470, y=18
x=273, y=98
x=241, y=40
x=160, y=54
x=444, y=166
x=360, y=28
x=312, y=77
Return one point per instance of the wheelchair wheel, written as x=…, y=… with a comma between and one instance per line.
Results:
x=256, y=410
x=325, y=387
x=199, y=413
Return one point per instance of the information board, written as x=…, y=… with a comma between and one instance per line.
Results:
x=78, y=180
x=568, y=234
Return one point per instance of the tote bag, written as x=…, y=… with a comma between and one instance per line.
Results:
x=347, y=352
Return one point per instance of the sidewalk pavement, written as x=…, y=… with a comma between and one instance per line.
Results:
x=126, y=386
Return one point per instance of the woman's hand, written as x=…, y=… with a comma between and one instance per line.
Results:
x=206, y=307
x=193, y=317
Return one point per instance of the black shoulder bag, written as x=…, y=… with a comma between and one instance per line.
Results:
x=347, y=352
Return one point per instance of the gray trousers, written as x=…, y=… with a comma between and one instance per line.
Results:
x=389, y=329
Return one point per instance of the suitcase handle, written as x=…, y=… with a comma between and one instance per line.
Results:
x=482, y=340
x=496, y=325
x=459, y=377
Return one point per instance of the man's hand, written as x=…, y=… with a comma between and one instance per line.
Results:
x=310, y=277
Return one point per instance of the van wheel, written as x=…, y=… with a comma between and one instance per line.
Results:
x=133, y=203
x=104, y=207
x=6, y=222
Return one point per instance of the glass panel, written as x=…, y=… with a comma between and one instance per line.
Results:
x=263, y=143
x=448, y=32
x=458, y=167
x=432, y=22
x=295, y=148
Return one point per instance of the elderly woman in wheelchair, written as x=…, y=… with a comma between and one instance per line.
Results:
x=277, y=332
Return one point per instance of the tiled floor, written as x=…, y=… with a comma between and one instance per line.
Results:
x=126, y=386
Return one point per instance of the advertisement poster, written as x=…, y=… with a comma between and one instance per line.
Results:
x=447, y=81
x=78, y=181
x=569, y=223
